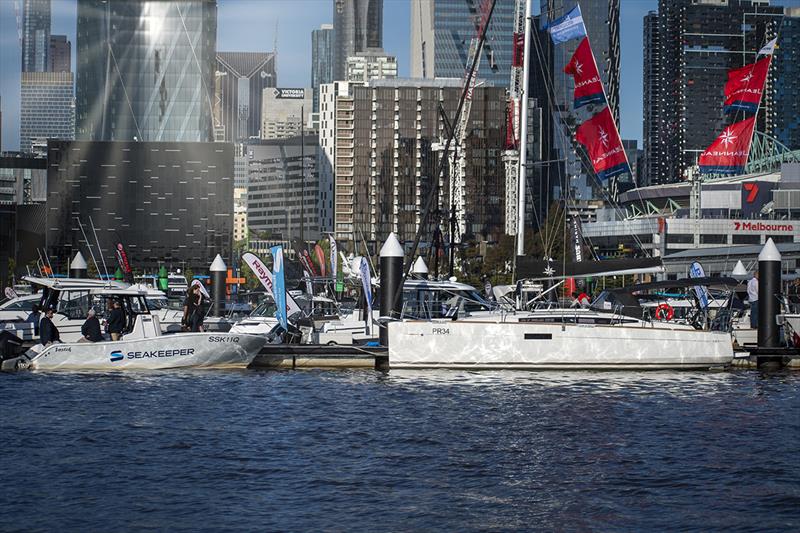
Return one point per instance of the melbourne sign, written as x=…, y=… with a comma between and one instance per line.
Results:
x=760, y=227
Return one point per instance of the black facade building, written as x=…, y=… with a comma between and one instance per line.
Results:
x=699, y=41
x=169, y=203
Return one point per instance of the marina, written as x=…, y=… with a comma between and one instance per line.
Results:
x=502, y=265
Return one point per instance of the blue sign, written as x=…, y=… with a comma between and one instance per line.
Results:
x=279, y=285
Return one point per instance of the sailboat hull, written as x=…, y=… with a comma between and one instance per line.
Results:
x=519, y=345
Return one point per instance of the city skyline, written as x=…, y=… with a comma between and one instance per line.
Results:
x=240, y=30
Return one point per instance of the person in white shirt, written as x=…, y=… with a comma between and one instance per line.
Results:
x=752, y=296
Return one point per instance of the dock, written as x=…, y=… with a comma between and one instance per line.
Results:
x=321, y=356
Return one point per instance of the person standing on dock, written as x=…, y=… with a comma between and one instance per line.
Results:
x=752, y=297
x=47, y=330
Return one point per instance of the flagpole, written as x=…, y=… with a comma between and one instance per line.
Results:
x=522, y=173
x=758, y=107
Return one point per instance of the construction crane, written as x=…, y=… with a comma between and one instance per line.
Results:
x=457, y=158
x=513, y=104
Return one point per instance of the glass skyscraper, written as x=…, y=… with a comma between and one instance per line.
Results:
x=786, y=69
x=358, y=25
x=442, y=32
x=47, y=108
x=321, y=59
x=239, y=81
x=35, y=35
x=145, y=69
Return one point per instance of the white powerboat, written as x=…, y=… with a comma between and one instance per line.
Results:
x=17, y=309
x=143, y=347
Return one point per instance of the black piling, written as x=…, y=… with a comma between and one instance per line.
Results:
x=769, y=291
x=391, y=280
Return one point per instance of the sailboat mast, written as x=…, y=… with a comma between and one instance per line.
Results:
x=523, y=134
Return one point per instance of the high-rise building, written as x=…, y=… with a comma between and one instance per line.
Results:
x=380, y=151
x=285, y=112
x=47, y=108
x=145, y=69
x=35, y=35
x=279, y=195
x=443, y=30
x=357, y=26
x=601, y=19
x=239, y=81
x=371, y=65
x=653, y=91
x=60, y=59
x=321, y=59
x=786, y=68
x=699, y=41
x=168, y=202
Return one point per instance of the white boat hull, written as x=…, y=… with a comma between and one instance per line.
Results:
x=520, y=345
x=189, y=350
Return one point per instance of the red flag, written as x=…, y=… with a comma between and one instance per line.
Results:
x=319, y=253
x=600, y=137
x=588, y=85
x=728, y=153
x=745, y=86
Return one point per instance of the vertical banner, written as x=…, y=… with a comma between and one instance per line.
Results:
x=319, y=255
x=279, y=282
x=696, y=271
x=366, y=281
x=334, y=256
x=601, y=138
x=583, y=68
x=124, y=264
x=728, y=153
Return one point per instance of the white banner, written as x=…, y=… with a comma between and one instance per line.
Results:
x=265, y=277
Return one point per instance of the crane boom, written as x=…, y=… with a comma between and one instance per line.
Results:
x=511, y=152
x=458, y=160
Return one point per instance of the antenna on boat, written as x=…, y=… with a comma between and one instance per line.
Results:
x=40, y=262
x=99, y=250
x=88, y=245
x=49, y=264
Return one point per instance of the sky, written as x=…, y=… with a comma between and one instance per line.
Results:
x=256, y=25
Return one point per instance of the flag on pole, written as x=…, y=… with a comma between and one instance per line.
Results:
x=745, y=86
x=583, y=68
x=366, y=282
x=728, y=153
x=334, y=256
x=696, y=271
x=568, y=27
x=769, y=48
x=319, y=255
x=279, y=280
x=600, y=137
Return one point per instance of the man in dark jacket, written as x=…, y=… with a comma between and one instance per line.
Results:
x=90, y=331
x=116, y=321
x=48, y=332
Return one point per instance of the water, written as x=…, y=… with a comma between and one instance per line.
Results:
x=403, y=451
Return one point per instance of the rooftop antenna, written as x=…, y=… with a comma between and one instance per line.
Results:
x=275, y=48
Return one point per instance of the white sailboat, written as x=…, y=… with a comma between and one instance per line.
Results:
x=557, y=339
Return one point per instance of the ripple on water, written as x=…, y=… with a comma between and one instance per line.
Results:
x=404, y=450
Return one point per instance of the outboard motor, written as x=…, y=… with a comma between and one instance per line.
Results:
x=10, y=345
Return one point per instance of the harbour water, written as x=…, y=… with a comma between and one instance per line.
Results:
x=400, y=451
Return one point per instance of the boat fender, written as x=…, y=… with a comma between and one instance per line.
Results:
x=665, y=312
